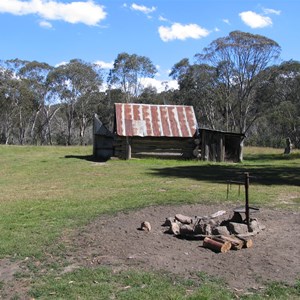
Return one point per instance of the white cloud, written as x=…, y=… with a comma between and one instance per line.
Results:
x=104, y=65
x=45, y=24
x=255, y=20
x=162, y=19
x=86, y=12
x=226, y=21
x=217, y=29
x=270, y=11
x=160, y=85
x=142, y=8
x=182, y=32
x=63, y=63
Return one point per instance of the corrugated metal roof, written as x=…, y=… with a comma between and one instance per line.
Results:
x=155, y=120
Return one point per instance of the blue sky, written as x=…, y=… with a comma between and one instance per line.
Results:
x=165, y=31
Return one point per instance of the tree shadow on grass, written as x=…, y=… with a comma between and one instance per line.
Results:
x=265, y=175
x=91, y=158
x=272, y=157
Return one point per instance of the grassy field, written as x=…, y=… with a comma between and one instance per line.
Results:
x=46, y=191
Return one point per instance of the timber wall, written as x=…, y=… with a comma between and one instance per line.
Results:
x=127, y=147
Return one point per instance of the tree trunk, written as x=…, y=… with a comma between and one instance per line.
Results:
x=241, y=151
x=32, y=130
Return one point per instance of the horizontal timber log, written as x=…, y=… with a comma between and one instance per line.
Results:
x=216, y=245
x=141, y=150
x=166, y=146
x=156, y=147
x=161, y=140
x=236, y=244
x=247, y=242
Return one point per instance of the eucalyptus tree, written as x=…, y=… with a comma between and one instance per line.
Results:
x=240, y=59
x=149, y=96
x=17, y=102
x=34, y=75
x=75, y=85
x=7, y=111
x=282, y=95
x=198, y=87
x=129, y=71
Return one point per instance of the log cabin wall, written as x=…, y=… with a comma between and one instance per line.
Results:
x=220, y=146
x=128, y=147
x=213, y=146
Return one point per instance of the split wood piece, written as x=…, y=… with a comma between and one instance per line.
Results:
x=174, y=228
x=146, y=226
x=186, y=230
x=216, y=246
x=168, y=221
x=247, y=242
x=184, y=219
x=218, y=214
x=235, y=243
x=238, y=242
x=246, y=235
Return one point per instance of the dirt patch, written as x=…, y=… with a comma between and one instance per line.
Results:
x=7, y=269
x=9, y=285
x=117, y=242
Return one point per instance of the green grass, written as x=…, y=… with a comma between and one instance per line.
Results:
x=46, y=191
x=101, y=283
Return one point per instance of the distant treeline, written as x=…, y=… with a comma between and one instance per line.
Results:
x=237, y=83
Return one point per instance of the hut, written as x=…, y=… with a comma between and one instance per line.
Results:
x=163, y=131
x=154, y=130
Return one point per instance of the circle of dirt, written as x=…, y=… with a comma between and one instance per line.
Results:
x=117, y=242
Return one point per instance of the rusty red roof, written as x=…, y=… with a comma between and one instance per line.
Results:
x=134, y=119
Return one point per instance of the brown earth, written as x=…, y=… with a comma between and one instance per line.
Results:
x=116, y=241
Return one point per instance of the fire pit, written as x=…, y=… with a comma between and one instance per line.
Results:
x=219, y=231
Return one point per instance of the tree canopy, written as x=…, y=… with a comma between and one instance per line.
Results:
x=235, y=84
x=128, y=71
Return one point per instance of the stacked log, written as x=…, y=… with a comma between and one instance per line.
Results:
x=236, y=244
x=216, y=245
x=217, y=234
x=225, y=243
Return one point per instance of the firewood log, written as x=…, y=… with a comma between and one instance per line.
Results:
x=168, y=221
x=216, y=246
x=218, y=214
x=146, y=226
x=175, y=229
x=246, y=235
x=186, y=230
x=184, y=219
x=247, y=242
x=236, y=243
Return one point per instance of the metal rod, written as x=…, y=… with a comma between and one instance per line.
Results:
x=247, y=199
